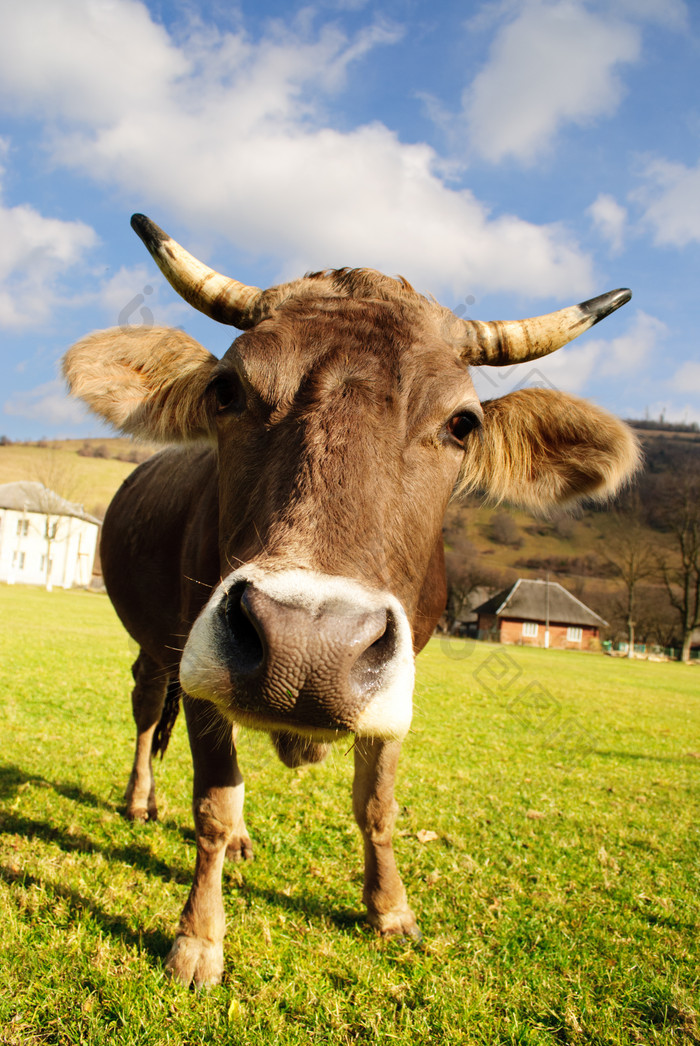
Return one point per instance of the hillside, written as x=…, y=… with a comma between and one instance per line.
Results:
x=63, y=466
x=489, y=547
x=580, y=536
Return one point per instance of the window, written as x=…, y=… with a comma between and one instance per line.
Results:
x=530, y=629
x=18, y=560
x=43, y=564
x=573, y=634
x=22, y=527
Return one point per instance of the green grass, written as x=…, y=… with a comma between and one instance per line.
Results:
x=560, y=901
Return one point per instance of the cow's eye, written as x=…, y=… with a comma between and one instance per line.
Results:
x=460, y=425
x=228, y=392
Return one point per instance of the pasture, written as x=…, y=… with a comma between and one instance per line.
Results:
x=549, y=839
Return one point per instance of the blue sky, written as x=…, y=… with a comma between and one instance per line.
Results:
x=510, y=158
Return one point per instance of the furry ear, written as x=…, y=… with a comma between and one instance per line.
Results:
x=541, y=448
x=149, y=382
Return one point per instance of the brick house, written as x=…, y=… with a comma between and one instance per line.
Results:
x=539, y=613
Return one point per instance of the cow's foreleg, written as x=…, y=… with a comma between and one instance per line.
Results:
x=147, y=698
x=375, y=812
x=197, y=954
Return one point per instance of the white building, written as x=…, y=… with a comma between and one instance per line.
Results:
x=44, y=539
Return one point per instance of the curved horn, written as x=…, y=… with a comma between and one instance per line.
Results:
x=502, y=342
x=217, y=296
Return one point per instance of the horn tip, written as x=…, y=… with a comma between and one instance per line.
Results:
x=151, y=234
x=597, y=309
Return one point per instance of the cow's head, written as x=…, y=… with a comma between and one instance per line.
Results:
x=345, y=419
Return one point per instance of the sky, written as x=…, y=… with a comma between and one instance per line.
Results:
x=509, y=157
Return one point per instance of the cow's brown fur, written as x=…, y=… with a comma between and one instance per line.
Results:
x=541, y=448
x=340, y=463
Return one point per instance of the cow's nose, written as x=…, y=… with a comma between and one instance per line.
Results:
x=310, y=662
x=295, y=650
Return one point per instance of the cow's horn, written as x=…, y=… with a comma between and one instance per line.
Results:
x=501, y=342
x=217, y=296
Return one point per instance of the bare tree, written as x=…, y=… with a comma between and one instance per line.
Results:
x=630, y=550
x=58, y=479
x=681, y=571
x=504, y=530
x=465, y=567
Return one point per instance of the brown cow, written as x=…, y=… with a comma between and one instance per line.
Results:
x=287, y=560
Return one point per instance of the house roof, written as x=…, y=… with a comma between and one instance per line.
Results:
x=527, y=601
x=28, y=496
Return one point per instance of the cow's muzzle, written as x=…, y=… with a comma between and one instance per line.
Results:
x=300, y=650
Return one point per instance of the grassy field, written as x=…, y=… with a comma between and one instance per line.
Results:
x=559, y=895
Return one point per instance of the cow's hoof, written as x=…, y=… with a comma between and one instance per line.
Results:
x=192, y=960
x=240, y=848
x=140, y=804
x=401, y=923
x=141, y=813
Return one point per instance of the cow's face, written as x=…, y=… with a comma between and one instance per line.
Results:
x=340, y=437
x=344, y=419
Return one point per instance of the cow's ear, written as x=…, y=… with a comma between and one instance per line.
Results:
x=147, y=382
x=541, y=448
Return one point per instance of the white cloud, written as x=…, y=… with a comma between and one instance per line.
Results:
x=35, y=253
x=47, y=403
x=609, y=218
x=130, y=288
x=552, y=64
x=96, y=59
x=131, y=297
x=671, y=201
x=231, y=136
x=687, y=378
x=630, y=352
x=568, y=370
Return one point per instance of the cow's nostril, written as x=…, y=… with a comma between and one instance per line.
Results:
x=367, y=673
x=248, y=646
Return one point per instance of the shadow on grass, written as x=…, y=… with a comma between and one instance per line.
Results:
x=669, y=922
x=12, y=778
x=316, y=907
x=134, y=855
x=155, y=943
x=661, y=1013
x=139, y=857
x=679, y=760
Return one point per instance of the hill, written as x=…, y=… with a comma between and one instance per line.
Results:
x=85, y=471
x=579, y=535
x=489, y=547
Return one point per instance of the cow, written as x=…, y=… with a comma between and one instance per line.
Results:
x=280, y=562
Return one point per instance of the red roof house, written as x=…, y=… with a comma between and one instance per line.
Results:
x=539, y=613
